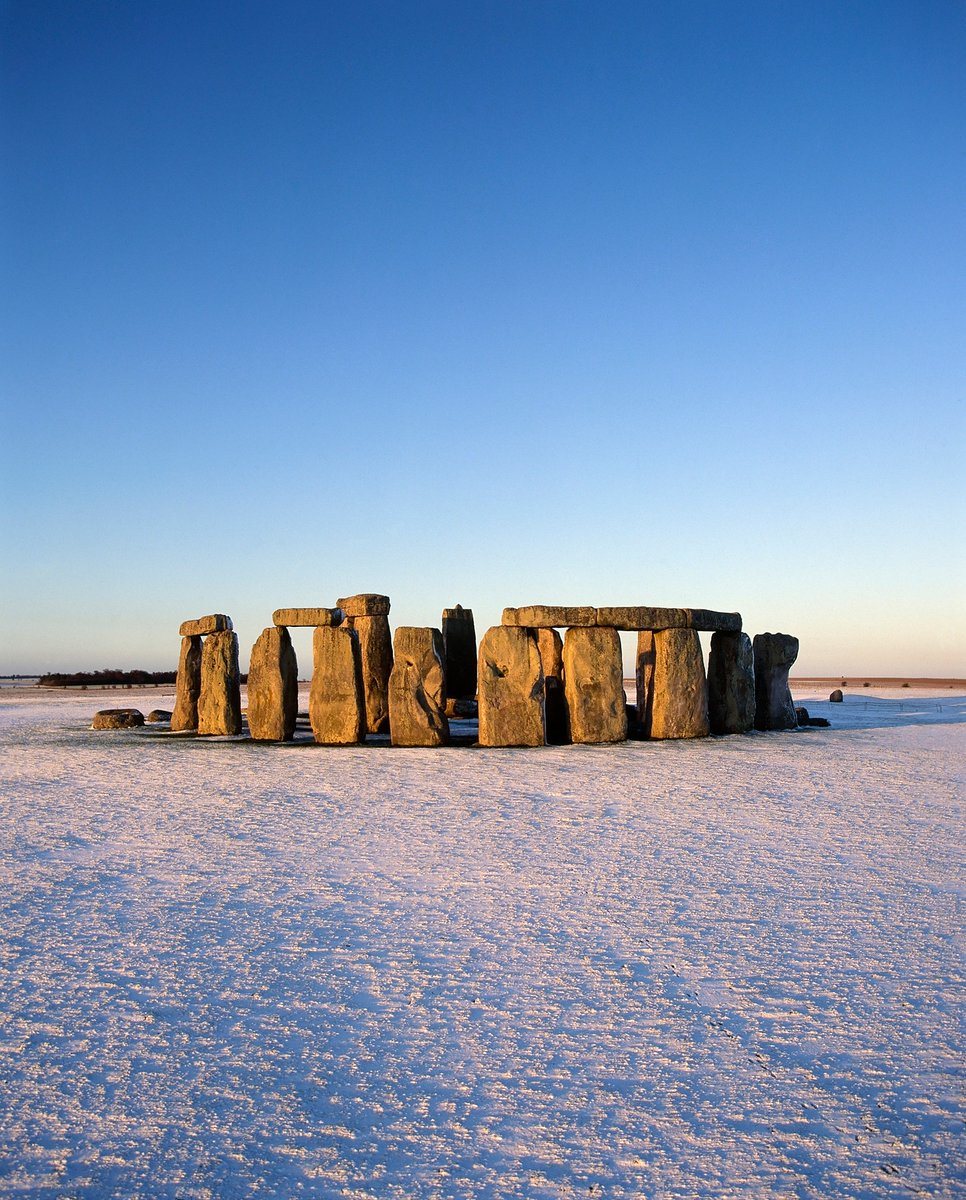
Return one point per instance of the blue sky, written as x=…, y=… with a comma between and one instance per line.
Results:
x=483, y=303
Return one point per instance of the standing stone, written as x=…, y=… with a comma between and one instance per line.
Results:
x=273, y=687
x=337, y=708
x=593, y=673
x=375, y=655
x=644, y=674
x=417, y=695
x=731, y=683
x=459, y=644
x=550, y=647
x=774, y=655
x=511, y=688
x=680, y=705
x=219, y=705
x=188, y=687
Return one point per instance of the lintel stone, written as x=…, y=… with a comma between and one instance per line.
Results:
x=366, y=604
x=642, y=617
x=216, y=623
x=306, y=618
x=550, y=616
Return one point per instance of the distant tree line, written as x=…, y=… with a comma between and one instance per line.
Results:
x=109, y=678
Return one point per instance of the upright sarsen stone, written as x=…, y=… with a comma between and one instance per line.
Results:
x=550, y=647
x=273, y=687
x=679, y=708
x=459, y=645
x=337, y=709
x=510, y=688
x=219, y=705
x=375, y=656
x=644, y=675
x=774, y=654
x=188, y=686
x=593, y=674
x=731, y=683
x=417, y=694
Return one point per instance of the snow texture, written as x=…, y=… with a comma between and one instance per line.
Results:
x=723, y=968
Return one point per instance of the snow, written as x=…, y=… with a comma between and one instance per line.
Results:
x=724, y=968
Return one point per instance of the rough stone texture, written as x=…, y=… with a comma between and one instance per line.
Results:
x=550, y=647
x=216, y=623
x=118, y=718
x=774, y=655
x=679, y=708
x=593, y=678
x=548, y=616
x=367, y=604
x=644, y=617
x=731, y=683
x=273, y=687
x=306, y=618
x=188, y=687
x=417, y=696
x=836, y=697
x=337, y=708
x=644, y=676
x=459, y=646
x=510, y=687
x=219, y=705
x=375, y=654
x=158, y=716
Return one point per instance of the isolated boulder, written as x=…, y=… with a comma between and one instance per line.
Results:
x=459, y=647
x=774, y=655
x=188, y=686
x=219, y=705
x=679, y=708
x=593, y=678
x=510, y=688
x=273, y=687
x=337, y=708
x=118, y=718
x=731, y=683
x=417, y=695
x=157, y=716
x=836, y=697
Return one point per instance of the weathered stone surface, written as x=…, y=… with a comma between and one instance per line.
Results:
x=375, y=654
x=679, y=708
x=644, y=617
x=459, y=646
x=158, y=716
x=188, y=687
x=550, y=648
x=510, y=687
x=216, y=623
x=366, y=604
x=219, y=705
x=593, y=679
x=731, y=683
x=118, y=718
x=306, y=618
x=337, y=707
x=273, y=687
x=644, y=675
x=836, y=697
x=774, y=655
x=549, y=616
x=417, y=696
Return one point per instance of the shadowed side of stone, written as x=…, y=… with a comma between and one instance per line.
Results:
x=188, y=686
x=593, y=675
x=550, y=648
x=219, y=705
x=774, y=655
x=644, y=675
x=510, y=687
x=680, y=705
x=337, y=707
x=273, y=687
x=417, y=694
x=731, y=683
x=459, y=645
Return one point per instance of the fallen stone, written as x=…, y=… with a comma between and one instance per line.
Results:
x=337, y=706
x=459, y=647
x=644, y=617
x=546, y=616
x=417, y=698
x=216, y=623
x=836, y=697
x=731, y=683
x=774, y=655
x=219, y=705
x=118, y=718
x=644, y=675
x=366, y=604
x=510, y=687
x=158, y=716
x=461, y=710
x=273, y=687
x=593, y=679
x=306, y=618
x=375, y=655
x=801, y=716
x=820, y=722
x=188, y=686
x=680, y=705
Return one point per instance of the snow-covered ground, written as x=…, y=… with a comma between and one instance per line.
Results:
x=726, y=968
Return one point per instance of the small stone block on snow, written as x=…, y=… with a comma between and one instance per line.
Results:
x=366, y=604
x=550, y=616
x=306, y=618
x=216, y=623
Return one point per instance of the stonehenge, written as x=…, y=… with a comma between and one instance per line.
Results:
x=525, y=683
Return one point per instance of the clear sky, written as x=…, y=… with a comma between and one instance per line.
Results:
x=488, y=303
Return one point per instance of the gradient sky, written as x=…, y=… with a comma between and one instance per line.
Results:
x=486, y=303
